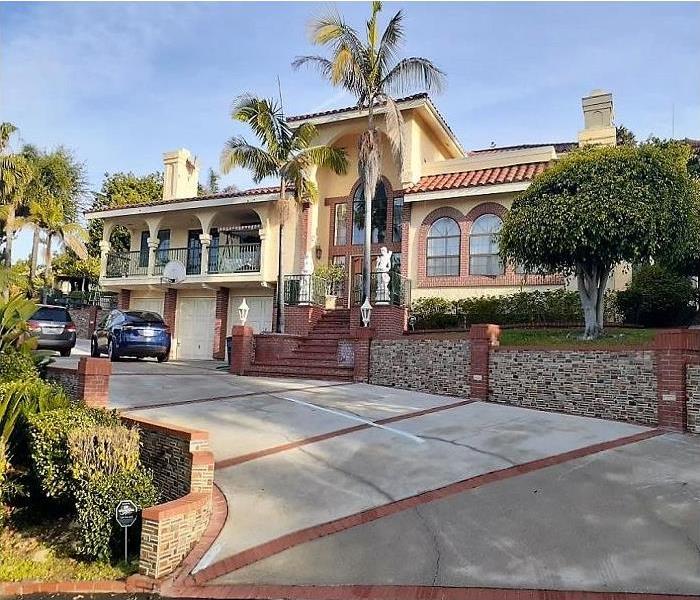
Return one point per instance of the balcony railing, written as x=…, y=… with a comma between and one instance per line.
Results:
x=237, y=258
x=240, y=258
x=394, y=290
x=304, y=289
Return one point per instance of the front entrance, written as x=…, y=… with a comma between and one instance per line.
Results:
x=194, y=328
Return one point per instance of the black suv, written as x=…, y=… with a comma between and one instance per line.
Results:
x=53, y=328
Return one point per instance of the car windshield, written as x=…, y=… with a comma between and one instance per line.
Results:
x=143, y=317
x=52, y=313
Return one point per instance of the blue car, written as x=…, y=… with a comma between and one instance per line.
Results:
x=136, y=333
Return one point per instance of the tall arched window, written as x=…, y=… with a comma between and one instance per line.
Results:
x=442, y=253
x=483, y=246
x=379, y=211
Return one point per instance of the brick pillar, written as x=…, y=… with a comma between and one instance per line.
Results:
x=92, y=320
x=674, y=349
x=169, y=309
x=241, y=349
x=220, y=324
x=123, y=299
x=363, y=340
x=481, y=338
x=93, y=381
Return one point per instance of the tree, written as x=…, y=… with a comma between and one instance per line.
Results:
x=122, y=189
x=15, y=173
x=212, y=186
x=601, y=206
x=369, y=70
x=285, y=154
x=624, y=136
x=59, y=176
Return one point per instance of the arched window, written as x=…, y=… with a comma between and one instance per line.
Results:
x=378, y=215
x=483, y=246
x=442, y=253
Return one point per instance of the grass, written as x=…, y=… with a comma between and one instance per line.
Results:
x=563, y=337
x=42, y=549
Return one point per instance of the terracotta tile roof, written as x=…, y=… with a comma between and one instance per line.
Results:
x=482, y=177
x=337, y=111
x=558, y=147
x=238, y=194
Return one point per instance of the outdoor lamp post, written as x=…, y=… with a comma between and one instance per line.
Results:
x=243, y=312
x=366, y=312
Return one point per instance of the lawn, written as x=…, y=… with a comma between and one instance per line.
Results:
x=42, y=549
x=613, y=336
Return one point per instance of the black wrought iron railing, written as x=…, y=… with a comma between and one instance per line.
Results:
x=385, y=288
x=304, y=289
x=236, y=258
x=190, y=257
x=127, y=264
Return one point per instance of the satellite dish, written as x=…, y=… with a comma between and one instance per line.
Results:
x=174, y=271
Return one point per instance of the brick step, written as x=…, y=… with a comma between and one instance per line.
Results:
x=299, y=362
x=313, y=355
x=332, y=346
x=325, y=331
x=344, y=323
x=308, y=372
x=328, y=335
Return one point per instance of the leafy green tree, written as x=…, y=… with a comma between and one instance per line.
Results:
x=286, y=155
x=212, y=185
x=624, y=136
x=122, y=189
x=601, y=206
x=369, y=70
x=15, y=173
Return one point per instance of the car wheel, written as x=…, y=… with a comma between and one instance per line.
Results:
x=162, y=358
x=94, y=350
x=112, y=352
x=65, y=352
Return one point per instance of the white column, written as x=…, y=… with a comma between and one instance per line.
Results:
x=105, y=247
x=153, y=244
x=205, y=240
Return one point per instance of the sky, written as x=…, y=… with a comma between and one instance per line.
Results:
x=121, y=83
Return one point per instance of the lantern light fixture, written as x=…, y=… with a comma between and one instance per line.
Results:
x=243, y=312
x=366, y=312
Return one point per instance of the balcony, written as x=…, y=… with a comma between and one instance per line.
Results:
x=237, y=258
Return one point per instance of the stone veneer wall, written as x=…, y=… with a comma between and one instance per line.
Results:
x=82, y=318
x=67, y=378
x=693, y=393
x=617, y=385
x=428, y=365
x=183, y=472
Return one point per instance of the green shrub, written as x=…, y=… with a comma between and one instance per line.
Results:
x=3, y=476
x=96, y=500
x=16, y=364
x=656, y=297
x=107, y=450
x=434, y=313
x=48, y=439
x=24, y=397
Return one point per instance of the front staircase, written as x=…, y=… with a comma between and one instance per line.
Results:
x=316, y=356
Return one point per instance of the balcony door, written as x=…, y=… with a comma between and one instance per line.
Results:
x=194, y=251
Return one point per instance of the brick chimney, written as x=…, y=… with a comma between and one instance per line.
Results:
x=181, y=175
x=598, y=115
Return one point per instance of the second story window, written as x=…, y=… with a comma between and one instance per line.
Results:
x=442, y=252
x=484, y=258
x=340, y=237
x=378, y=215
x=397, y=218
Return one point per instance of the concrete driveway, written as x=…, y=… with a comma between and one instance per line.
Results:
x=332, y=484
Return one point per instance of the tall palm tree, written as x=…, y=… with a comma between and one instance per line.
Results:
x=48, y=216
x=15, y=173
x=287, y=155
x=370, y=71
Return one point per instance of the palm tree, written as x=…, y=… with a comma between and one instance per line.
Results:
x=285, y=154
x=15, y=173
x=369, y=70
x=48, y=215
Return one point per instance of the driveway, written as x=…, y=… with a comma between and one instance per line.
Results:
x=333, y=484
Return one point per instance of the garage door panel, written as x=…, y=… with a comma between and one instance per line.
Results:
x=195, y=328
x=259, y=313
x=149, y=304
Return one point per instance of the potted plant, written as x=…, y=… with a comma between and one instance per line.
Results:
x=333, y=276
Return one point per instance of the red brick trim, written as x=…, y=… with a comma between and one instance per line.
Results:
x=191, y=435
x=220, y=324
x=465, y=279
x=189, y=503
x=21, y=588
x=243, y=458
x=406, y=592
x=170, y=309
x=123, y=299
x=273, y=547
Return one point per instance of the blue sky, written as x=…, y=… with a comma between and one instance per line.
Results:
x=120, y=83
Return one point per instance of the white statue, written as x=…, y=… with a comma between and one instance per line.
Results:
x=383, y=267
x=306, y=271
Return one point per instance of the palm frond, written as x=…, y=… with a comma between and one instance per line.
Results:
x=372, y=25
x=395, y=129
x=239, y=153
x=303, y=136
x=321, y=64
x=264, y=117
x=75, y=240
x=392, y=39
x=325, y=157
x=411, y=74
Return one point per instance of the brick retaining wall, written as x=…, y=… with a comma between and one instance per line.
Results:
x=67, y=378
x=270, y=346
x=693, y=391
x=436, y=366
x=610, y=385
x=89, y=383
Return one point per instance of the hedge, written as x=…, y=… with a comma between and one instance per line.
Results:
x=48, y=440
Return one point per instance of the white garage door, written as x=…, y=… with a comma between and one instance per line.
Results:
x=194, y=327
x=151, y=304
x=259, y=313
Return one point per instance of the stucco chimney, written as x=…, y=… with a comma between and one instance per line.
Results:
x=181, y=175
x=598, y=115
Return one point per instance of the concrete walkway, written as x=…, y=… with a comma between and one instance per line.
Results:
x=347, y=484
